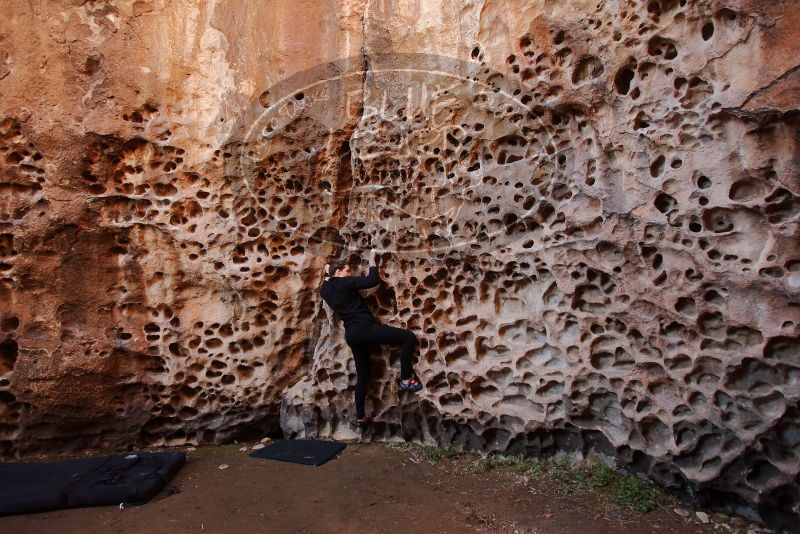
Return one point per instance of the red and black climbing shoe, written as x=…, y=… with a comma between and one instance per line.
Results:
x=364, y=421
x=412, y=385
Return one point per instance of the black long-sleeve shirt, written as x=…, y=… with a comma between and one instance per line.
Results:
x=341, y=294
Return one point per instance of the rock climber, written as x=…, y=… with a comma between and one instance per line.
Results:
x=361, y=331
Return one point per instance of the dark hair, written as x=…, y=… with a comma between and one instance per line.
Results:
x=336, y=265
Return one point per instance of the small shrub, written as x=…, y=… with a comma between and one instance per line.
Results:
x=434, y=454
x=520, y=464
x=636, y=494
x=537, y=468
x=594, y=476
x=559, y=471
x=488, y=463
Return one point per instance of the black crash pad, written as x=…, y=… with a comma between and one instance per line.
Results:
x=96, y=481
x=301, y=451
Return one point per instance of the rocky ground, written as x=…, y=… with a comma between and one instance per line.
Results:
x=389, y=488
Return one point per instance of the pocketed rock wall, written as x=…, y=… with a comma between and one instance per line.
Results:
x=587, y=212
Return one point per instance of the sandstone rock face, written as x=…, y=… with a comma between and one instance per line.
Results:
x=586, y=211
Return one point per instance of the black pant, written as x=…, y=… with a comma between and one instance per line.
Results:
x=361, y=336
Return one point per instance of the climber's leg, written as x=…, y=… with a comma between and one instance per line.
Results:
x=381, y=334
x=361, y=356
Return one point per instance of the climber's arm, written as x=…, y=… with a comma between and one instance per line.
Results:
x=364, y=282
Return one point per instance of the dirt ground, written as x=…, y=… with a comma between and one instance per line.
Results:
x=370, y=488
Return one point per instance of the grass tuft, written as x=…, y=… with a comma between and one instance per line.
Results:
x=488, y=463
x=435, y=454
x=636, y=494
x=520, y=464
x=592, y=475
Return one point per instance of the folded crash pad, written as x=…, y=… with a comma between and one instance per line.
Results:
x=301, y=451
x=96, y=481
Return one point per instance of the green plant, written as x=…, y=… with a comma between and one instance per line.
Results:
x=593, y=475
x=488, y=463
x=434, y=454
x=520, y=464
x=537, y=468
x=559, y=471
x=636, y=494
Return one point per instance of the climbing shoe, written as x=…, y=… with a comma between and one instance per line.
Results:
x=412, y=385
x=364, y=421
